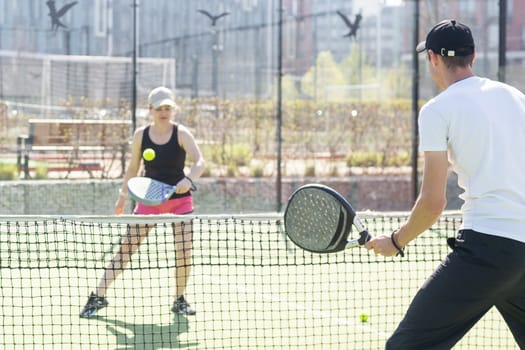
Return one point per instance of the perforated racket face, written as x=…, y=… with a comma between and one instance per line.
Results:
x=316, y=219
x=149, y=191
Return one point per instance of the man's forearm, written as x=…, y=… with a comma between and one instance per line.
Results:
x=425, y=213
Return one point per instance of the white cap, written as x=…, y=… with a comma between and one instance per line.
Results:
x=161, y=96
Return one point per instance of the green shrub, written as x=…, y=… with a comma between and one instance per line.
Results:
x=373, y=159
x=41, y=172
x=241, y=154
x=364, y=159
x=8, y=171
x=309, y=171
x=257, y=171
x=236, y=154
x=231, y=170
x=398, y=159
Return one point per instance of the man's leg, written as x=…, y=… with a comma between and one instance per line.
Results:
x=513, y=312
x=461, y=290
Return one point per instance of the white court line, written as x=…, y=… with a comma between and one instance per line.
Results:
x=297, y=306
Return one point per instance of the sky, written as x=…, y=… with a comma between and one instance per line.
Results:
x=371, y=6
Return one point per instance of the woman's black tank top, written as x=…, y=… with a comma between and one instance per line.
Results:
x=168, y=164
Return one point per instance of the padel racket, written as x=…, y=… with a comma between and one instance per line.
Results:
x=319, y=219
x=149, y=191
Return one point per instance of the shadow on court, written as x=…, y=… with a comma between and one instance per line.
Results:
x=148, y=336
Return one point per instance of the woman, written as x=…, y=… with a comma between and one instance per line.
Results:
x=171, y=143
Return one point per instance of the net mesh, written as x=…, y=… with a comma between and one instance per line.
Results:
x=251, y=287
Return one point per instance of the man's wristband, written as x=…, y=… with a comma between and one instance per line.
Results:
x=122, y=194
x=400, y=251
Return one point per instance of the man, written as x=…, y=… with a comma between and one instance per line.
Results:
x=478, y=124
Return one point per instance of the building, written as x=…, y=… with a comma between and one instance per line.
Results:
x=236, y=55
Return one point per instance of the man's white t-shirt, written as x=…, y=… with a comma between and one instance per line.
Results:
x=481, y=123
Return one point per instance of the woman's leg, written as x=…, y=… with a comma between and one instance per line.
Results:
x=131, y=242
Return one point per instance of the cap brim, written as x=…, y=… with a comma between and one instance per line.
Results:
x=164, y=102
x=421, y=46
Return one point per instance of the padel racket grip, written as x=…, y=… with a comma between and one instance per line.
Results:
x=365, y=237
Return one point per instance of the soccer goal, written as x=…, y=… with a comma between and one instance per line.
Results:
x=79, y=81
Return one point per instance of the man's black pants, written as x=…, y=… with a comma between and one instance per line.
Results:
x=482, y=271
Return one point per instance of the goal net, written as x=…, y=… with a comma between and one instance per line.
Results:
x=57, y=81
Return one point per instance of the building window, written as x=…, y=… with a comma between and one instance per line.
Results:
x=101, y=17
x=3, y=11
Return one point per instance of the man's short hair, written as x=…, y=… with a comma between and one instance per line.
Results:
x=458, y=61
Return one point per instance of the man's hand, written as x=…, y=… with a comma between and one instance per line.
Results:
x=382, y=245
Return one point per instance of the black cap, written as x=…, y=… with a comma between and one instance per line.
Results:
x=449, y=38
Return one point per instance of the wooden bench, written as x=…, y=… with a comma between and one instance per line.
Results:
x=73, y=145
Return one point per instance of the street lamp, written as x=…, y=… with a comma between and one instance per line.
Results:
x=134, y=65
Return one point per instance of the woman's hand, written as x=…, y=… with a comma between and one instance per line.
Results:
x=119, y=205
x=184, y=185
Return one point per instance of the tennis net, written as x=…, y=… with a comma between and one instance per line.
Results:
x=251, y=288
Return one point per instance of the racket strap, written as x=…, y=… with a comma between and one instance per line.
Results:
x=400, y=251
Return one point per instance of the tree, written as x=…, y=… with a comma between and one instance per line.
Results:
x=322, y=80
x=357, y=74
x=397, y=83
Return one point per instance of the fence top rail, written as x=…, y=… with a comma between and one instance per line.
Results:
x=79, y=121
x=82, y=58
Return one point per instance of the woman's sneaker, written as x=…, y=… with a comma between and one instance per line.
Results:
x=93, y=304
x=181, y=307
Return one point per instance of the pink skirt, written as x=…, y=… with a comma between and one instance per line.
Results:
x=179, y=206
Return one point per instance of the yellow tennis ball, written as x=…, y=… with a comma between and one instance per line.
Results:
x=148, y=154
x=363, y=318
